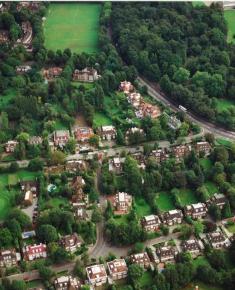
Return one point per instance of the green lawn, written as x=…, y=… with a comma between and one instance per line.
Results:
x=187, y=196
x=142, y=207
x=201, y=286
x=101, y=119
x=211, y=187
x=7, y=97
x=198, y=4
x=5, y=201
x=223, y=142
x=231, y=229
x=205, y=163
x=164, y=201
x=230, y=19
x=59, y=125
x=146, y=280
x=121, y=219
x=55, y=202
x=72, y=25
x=200, y=261
x=224, y=104
x=87, y=86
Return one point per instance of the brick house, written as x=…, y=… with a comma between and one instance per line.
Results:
x=172, y=217
x=126, y=87
x=160, y=155
x=151, y=223
x=134, y=99
x=35, y=252
x=116, y=164
x=181, y=151
x=192, y=246
x=52, y=73
x=86, y=75
x=197, y=210
x=142, y=259
x=166, y=254
x=96, y=275
x=61, y=137
x=21, y=69
x=71, y=243
x=117, y=269
x=217, y=240
x=83, y=134
x=9, y=258
x=10, y=146
x=121, y=202
x=107, y=133
x=67, y=283
x=219, y=199
x=203, y=147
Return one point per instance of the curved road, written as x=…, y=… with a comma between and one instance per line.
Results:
x=207, y=126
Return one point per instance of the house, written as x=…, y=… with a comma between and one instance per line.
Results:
x=28, y=198
x=173, y=122
x=219, y=199
x=140, y=158
x=151, y=223
x=80, y=212
x=67, y=283
x=142, y=259
x=192, y=246
x=35, y=252
x=96, y=275
x=217, y=240
x=172, y=217
x=72, y=166
x=107, y=133
x=181, y=151
x=116, y=164
x=78, y=195
x=27, y=35
x=21, y=69
x=83, y=134
x=52, y=72
x=203, y=147
x=86, y=75
x=117, y=269
x=134, y=99
x=121, y=202
x=71, y=243
x=195, y=211
x=10, y=146
x=160, y=155
x=148, y=110
x=166, y=254
x=132, y=131
x=9, y=258
x=61, y=137
x=228, y=5
x=153, y=255
x=35, y=140
x=126, y=87
x=29, y=185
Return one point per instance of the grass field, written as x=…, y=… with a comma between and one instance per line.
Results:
x=101, y=120
x=55, y=203
x=72, y=25
x=223, y=142
x=187, y=197
x=211, y=187
x=230, y=19
x=198, y=3
x=142, y=207
x=205, y=163
x=146, y=280
x=164, y=201
x=231, y=229
x=201, y=286
x=7, y=97
x=224, y=104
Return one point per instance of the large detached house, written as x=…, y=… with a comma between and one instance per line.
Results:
x=166, y=254
x=172, y=217
x=10, y=146
x=192, y=246
x=82, y=134
x=195, y=211
x=96, y=275
x=51, y=73
x=116, y=164
x=151, y=223
x=86, y=75
x=35, y=252
x=126, y=87
x=9, y=258
x=217, y=240
x=219, y=199
x=142, y=259
x=107, y=133
x=61, y=137
x=121, y=202
x=159, y=155
x=71, y=243
x=117, y=269
x=181, y=151
x=203, y=147
x=67, y=282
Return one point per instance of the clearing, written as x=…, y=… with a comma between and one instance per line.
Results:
x=230, y=19
x=142, y=207
x=187, y=196
x=101, y=119
x=211, y=187
x=224, y=104
x=72, y=25
x=164, y=201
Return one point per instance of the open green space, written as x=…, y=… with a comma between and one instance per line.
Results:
x=224, y=142
x=231, y=228
x=121, y=219
x=187, y=196
x=146, y=280
x=198, y=3
x=101, y=119
x=7, y=97
x=224, y=104
x=59, y=125
x=211, y=187
x=230, y=19
x=6, y=197
x=54, y=202
x=201, y=286
x=16, y=177
x=201, y=260
x=164, y=201
x=205, y=163
x=142, y=207
x=72, y=25
x=87, y=86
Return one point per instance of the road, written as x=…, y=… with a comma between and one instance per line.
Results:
x=205, y=125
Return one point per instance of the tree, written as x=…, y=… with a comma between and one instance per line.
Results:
x=36, y=164
x=215, y=212
x=135, y=272
x=96, y=216
x=6, y=238
x=56, y=157
x=132, y=176
x=47, y=233
x=21, y=217
x=14, y=167
x=94, y=140
x=46, y=273
x=198, y=228
x=71, y=146
x=185, y=232
x=181, y=75
x=226, y=211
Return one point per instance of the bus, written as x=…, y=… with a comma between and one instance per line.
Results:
x=182, y=108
